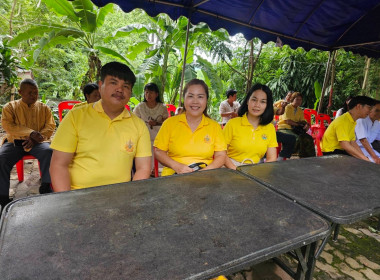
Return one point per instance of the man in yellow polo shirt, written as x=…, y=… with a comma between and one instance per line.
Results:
x=339, y=137
x=96, y=143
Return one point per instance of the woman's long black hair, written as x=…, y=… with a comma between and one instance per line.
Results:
x=267, y=116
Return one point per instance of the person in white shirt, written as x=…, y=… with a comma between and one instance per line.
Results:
x=228, y=108
x=367, y=130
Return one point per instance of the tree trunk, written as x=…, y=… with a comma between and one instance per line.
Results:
x=163, y=75
x=93, y=72
x=365, y=80
x=252, y=65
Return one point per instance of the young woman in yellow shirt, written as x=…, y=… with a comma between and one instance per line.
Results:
x=252, y=135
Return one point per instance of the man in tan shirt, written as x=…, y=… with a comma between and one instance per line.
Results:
x=29, y=124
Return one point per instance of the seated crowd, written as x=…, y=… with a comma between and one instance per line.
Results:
x=100, y=142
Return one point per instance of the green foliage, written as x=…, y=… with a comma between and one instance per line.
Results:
x=8, y=64
x=317, y=92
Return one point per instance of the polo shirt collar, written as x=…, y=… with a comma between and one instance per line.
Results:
x=204, y=121
x=350, y=117
x=244, y=121
x=99, y=108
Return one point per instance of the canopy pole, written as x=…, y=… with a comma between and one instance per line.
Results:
x=184, y=63
x=325, y=81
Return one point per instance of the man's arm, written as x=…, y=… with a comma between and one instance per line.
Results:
x=59, y=171
x=8, y=122
x=49, y=124
x=353, y=149
x=142, y=168
x=369, y=149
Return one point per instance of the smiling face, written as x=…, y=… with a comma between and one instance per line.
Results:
x=257, y=103
x=115, y=93
x=29, y=93
x=195, y=101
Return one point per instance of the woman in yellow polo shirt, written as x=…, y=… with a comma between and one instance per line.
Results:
x=190, y=137
x=293, y=122
x=252, y=135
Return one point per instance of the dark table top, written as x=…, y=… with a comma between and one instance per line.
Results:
x=342, y=189
x=192, y=226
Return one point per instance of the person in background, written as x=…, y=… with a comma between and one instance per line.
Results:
x=191, y=137
x=367, y=130
x=229, y=107
x=339, y=137
x=252, y=135
x=344, y=107
x=28, y=124
x=293, y=122
x=152, y=111
x=91, y=92
x=288, y=141
x=96, y=144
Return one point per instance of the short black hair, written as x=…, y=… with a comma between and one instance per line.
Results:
x=119, y=70
x=230, y=92
x=267, y=116
x=362, y=100
x=28, y=82
x=89, y=88
x=152, y=87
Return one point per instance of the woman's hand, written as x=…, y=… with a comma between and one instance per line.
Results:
x=180, y=168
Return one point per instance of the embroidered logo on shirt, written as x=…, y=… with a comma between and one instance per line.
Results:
x=207, y=139
x=264, y=136
x=129, y=146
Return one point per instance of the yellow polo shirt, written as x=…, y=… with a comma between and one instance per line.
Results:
x=290, y=113
x=340, y=129
x=103, y=149
x=245, y=142
x=187, y=147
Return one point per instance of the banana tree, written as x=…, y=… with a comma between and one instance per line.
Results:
x=163, y=50
x=83, y=21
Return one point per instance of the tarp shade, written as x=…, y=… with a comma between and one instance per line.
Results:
x=326, y=25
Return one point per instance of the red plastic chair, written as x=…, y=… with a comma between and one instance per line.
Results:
x=171, y=108
x=20, y=167
x=317, y=134
x=308, y=115
x=65, y=105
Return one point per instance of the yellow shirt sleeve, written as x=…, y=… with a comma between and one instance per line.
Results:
x=66, y=137
x=143, y=148
x=272, y=136
x=8, y=122
x=162, y=139
x=48, y=129
x=220, y=143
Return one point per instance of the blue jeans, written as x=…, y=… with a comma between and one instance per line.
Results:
x=10, y=155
